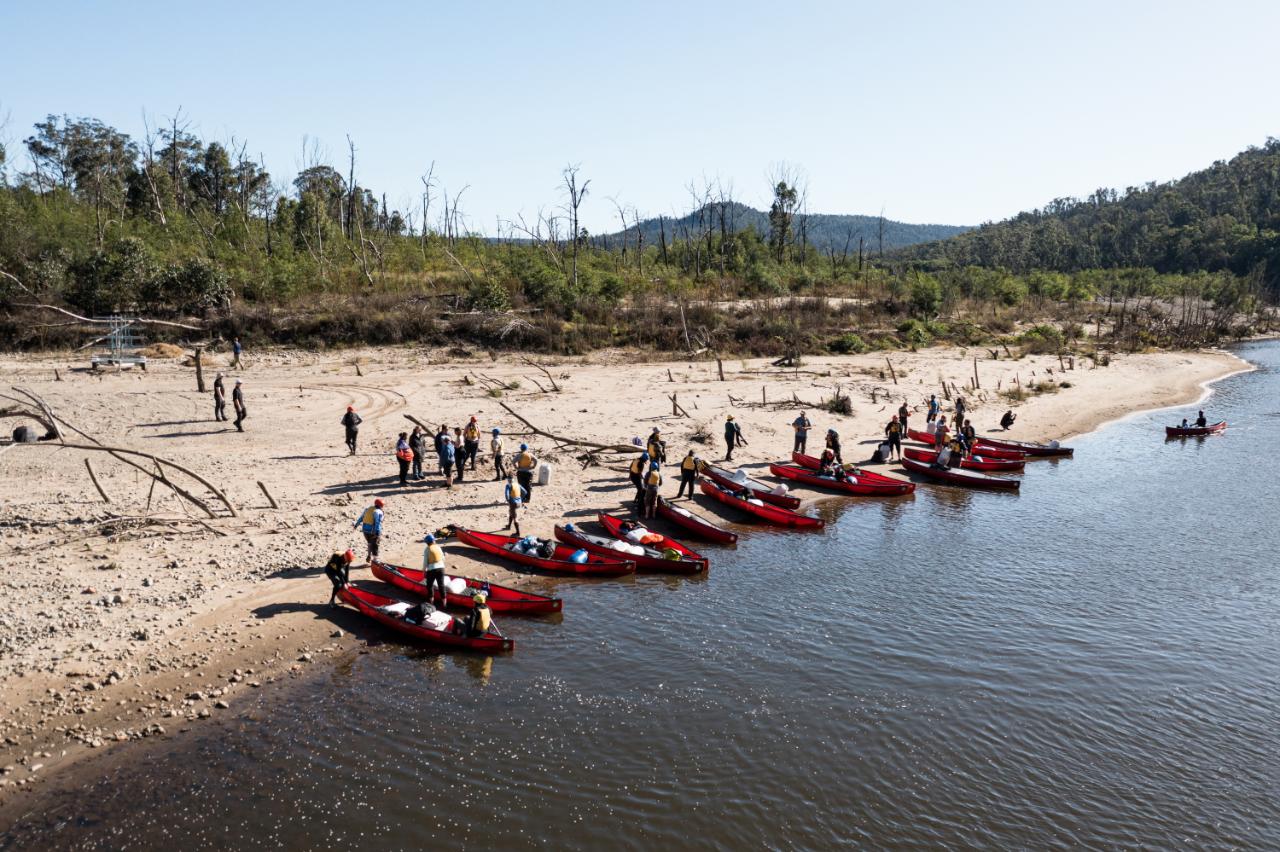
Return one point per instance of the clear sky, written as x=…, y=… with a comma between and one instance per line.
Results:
x=936, y=111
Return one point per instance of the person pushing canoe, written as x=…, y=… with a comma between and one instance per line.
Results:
x=338, y=570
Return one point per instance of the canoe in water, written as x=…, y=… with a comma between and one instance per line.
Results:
x=861, y=483
x=769, y=514
x=559, y=563
x=375, y=606
x=1192, y=431
x=650, y=560
x=500, y=598
x=973, y=462
x=956, y=476
x=694, y=523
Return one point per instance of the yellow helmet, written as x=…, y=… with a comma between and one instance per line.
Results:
x=480, y=597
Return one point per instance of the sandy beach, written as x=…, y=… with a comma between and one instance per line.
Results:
x=107, y=639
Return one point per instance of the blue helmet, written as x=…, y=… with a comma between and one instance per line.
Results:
x=496, y=430
x=524, y=447
x=430, y=539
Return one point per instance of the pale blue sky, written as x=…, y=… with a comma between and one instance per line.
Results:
x=939, y=112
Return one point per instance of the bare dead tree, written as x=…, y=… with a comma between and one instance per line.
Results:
x=428, y=184
x=576, y=192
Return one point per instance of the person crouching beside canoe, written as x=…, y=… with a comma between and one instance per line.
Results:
x=338, y=570
x=477, y=622
x=370, y=523
x=957, y=452
x=636, y=474
x=827, y=464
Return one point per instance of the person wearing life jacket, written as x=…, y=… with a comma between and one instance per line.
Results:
x=404, y=456
x=957, y=451
x=969, y=435
x=657, y=447
x=652, y=482
x=351, y=426
x=515, y=495
x=526, y=464
x=940, y=432
x=477, y=621
x=833, y=444
x=433, y=569
x=688, y=473
x=934, y=408
x=827, y=463
x=370, y=523
x=499, y=459
x=338, y=570
x=636, y=474
x=471, y=440
x=893, y=437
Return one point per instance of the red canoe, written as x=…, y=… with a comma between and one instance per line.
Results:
x=372, y=605
x=770, y=514
x=613, y=526
x=500, y=545
x=984, y=448
x=1039, y=450
x=814, y=463
x=1191, y=431
x=863, y=484
x=725, y=479
x=651, y=560
x=975, y=462
x=955, y=476
x=695, y=524
x=501, y=598
x=922, y=437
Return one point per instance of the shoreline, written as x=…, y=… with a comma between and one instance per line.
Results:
x=230, y=617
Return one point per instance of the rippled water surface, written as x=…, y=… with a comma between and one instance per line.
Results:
x=1094, y=661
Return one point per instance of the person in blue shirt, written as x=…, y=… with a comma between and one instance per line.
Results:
x=934, y=408
x=802, y=427
x=447, y=456
x=236, y=349
x=370, y=523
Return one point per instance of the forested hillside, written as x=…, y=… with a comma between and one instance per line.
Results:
x=1226, y=217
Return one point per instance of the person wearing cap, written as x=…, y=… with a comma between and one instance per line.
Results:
x=833, y=444
x=219, y=399
x=636, y=474
x=338, y=570
x=802, y=426
x=499, y=460
x=370, y=523
x=476, y=623
x=418, y=446
x=688, y=473
x=893, y=436
x=657, y=448
x=732, y=435
x=433, y=569
x=351, y=423
x=515, y=495
x=471, y=440
x=652, y=483
x=237, y=402
x=526, y=463
x=933, y=408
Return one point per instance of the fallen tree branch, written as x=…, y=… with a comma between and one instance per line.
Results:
x=555, y=387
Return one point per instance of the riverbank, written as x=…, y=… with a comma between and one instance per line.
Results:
x=112, y=640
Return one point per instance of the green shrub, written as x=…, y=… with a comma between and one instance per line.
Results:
x=848, y=344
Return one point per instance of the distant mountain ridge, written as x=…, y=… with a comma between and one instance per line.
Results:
x=825, y=230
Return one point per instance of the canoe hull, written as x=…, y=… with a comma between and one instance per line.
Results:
x=695, y=524
x=955, y=476
x=855, y=484
x=1193, y=431
x=645, y=562
x=1036, y=450
x=368, y=604
x=613, y=525
x=502, y=599
x=495, y=544
x=769, y=514
x=975, y=462
x=720, y=477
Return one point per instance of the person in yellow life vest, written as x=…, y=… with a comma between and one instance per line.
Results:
x=957, y=451
x=688, y=473
x=636, y=474
x=370, y=523
x=499, y=459
x=477, y=621
x=657, y=448
x=526, y=463
x=471, y=440
x=652, y=482
x=433, y=569
x=893, y=437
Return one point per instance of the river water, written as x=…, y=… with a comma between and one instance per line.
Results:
x=1092, y=662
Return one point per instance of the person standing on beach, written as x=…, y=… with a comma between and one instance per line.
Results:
x=688, y=474
x=471, y=440
x=960, y=410
x=441, y=436
x=351, y=425
x=933, y=408
x=370, y=523
x=237, y=402
x=499, y=460
x=940, y=432
x=657, y=447
x=893, y=437
x=903, y=414
x=418, y=446
x=433, y=569
x=219, y=399
x=236, y=349
x=514, y=494
x=636, y=474
x=448, y=455
x=404, y=456
x=460, y=451
x=802, y=427
x=526, y=463
x=732, y=435
x=652, y=484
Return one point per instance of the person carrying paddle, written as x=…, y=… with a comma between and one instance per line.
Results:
x=526, y=463
x=636, y=474
x=219, y=399
x=338, y=570
x=237, y=402
x=688, y=474
x=477, y=622
x=433, y=569
x=934, y=408
x=499, y=460
x=652, y=483
x=351, y=426
x=514, y=495
x=370, y=523
x=404, y=456
x=657, y=448
x=802, y=426
x=471, y=440
x=732, y=436
x=893, y=437
x=833, y=444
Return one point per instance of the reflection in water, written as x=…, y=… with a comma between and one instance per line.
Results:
x=1092, y=662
